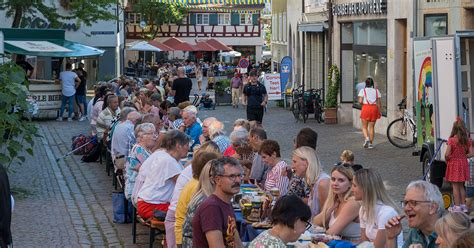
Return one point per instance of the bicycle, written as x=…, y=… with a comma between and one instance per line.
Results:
x=317, y=104
x=399, y=129
x=298, y=107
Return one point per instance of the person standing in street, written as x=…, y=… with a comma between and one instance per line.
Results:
x=369, y=98
x=199, y=77
x=181, y=87
x=69, y=82
x=236, y=84
x=81, y=91
x=214, y=224
x=256, y=98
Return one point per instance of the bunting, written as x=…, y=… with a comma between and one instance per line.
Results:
x=232, y=2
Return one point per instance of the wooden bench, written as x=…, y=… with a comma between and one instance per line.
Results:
x=157, y=228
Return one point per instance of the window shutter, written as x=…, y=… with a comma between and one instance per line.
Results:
x=213, y=19
x=235, y=19
x=192, y=19
x=255, y=19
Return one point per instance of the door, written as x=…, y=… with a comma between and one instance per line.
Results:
x=445, y=89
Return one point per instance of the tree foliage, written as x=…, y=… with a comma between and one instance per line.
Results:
x=156, y=14
x=16, y=133
x=82, y=11
x=334, y=80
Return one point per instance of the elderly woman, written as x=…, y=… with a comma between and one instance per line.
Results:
x=175, y=119
x=290, y=218
x=146, y=137
x=216, y=134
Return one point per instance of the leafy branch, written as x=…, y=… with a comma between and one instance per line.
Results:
x=333, y=86
x=15, y=130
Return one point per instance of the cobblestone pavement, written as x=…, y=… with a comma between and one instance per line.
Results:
x=68, y=203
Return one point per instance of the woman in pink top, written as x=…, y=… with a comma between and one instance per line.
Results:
x=270, y=152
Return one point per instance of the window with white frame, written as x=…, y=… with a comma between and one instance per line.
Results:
x=224, y=19
x=202, y=19
x=245, y=19
x=131, y=18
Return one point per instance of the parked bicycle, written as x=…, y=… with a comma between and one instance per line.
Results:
x=307, y=102
x=402, y=131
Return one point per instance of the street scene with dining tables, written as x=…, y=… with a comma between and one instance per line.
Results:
x=236, y=123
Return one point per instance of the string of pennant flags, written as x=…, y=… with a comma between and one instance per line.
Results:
x=234, y=2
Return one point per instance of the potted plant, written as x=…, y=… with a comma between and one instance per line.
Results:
x=222, y=92
x=330, y=105
x=229, y=72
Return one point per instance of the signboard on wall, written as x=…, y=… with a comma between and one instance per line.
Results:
x=371, y=7
x=273, y=86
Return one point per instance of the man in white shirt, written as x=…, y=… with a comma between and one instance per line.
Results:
x=69, y=82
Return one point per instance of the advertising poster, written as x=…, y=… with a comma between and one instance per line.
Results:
x=273, y=86
x=423, y=91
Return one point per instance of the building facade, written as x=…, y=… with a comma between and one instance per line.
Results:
x=105, y=35
x=241, y=30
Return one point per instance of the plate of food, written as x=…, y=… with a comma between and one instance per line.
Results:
x=262, y=225
x=322, y=237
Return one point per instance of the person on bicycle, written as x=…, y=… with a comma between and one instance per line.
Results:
x=369, y=98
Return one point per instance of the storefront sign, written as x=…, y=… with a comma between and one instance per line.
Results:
x=273, y=86
x=37, y=46
x=37, y=22
x=285, y=71
x=47, y=100
x=372, y=7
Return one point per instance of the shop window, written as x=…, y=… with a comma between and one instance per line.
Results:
x=436, y=24
x=202, y=19
x=363, y=54
x=224, y=19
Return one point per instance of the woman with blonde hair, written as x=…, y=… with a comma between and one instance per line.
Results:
x=450, y=227
x=205, y=189
x=309, y=181
x=340, y=214
x=377, y=207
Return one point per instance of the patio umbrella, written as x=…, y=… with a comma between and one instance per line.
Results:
x=178, y=45
x=143, y=46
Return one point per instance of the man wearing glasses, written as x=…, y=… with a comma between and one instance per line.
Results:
x=423, y=206
x=214, y=222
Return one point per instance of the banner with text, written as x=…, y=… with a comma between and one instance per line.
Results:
x=273, y=86
x=285, y=71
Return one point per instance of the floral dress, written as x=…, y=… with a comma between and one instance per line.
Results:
x=188, y=220
x=298, y=187
x=138, y=154
x=457, y=169
x=265, y=240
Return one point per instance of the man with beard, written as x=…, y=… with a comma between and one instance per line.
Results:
x=214, y=223
x=423, y=206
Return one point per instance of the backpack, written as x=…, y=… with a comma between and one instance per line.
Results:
x=93, y=154
x=81, y=140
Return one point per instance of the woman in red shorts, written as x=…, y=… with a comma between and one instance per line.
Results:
x=369, y=98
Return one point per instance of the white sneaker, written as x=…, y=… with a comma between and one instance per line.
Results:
x=370, y=146
x=59, y=119
x=69, y=119
x=366, y=143
x=83, y=118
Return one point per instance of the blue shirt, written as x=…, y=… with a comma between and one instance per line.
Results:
x=415, y=236
x=194, y=132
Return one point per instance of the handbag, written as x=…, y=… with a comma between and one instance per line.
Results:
x=122, y=208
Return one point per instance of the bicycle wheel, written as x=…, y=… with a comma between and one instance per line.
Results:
x=398, y=134
x=318, y=113
x=295, y=110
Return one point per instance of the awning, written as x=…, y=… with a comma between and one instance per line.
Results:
x=204, y=46
x=218, y=44
x=45, y=43
x=311, y=27
x=143, y=46
x=161, y=46
x=178, y=45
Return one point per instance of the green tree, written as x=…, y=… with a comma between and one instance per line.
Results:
x=156, y=14
x=83, y=11
x=16, y=132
